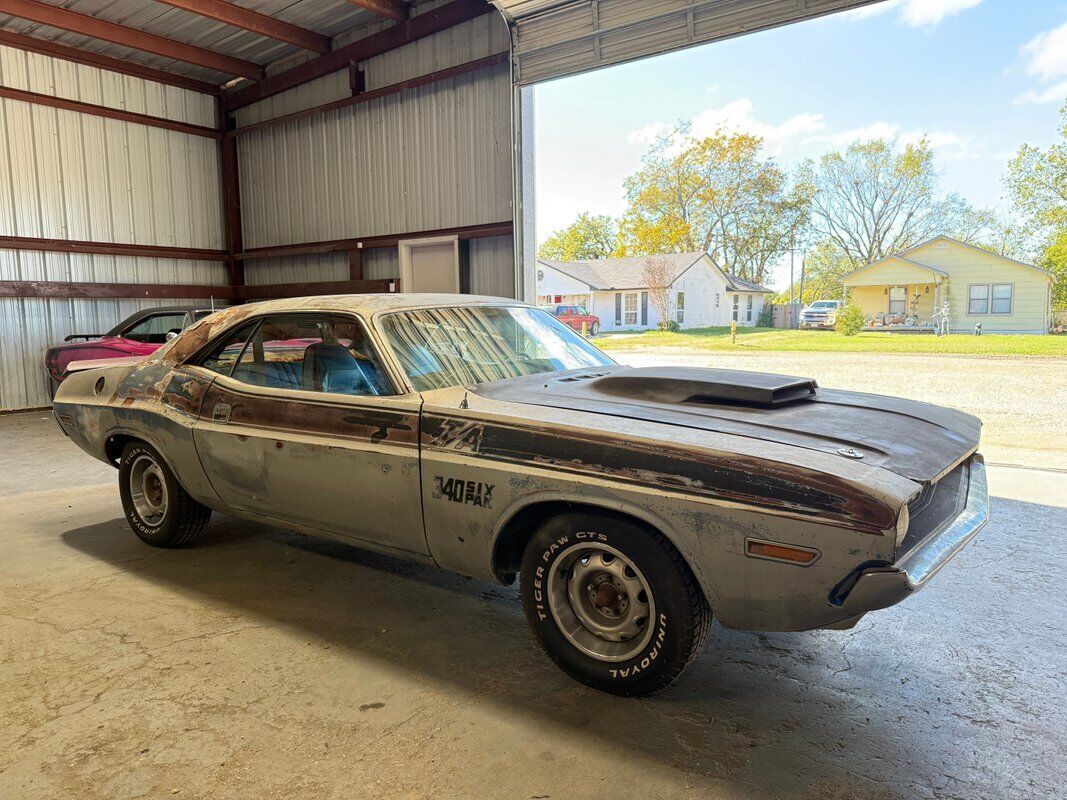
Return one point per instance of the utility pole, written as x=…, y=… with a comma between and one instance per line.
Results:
x=803, y=264
x=793, y=315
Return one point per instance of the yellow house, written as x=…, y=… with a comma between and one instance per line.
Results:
x=960, y=283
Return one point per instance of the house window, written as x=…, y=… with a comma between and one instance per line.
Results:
x=629, y=308
x=978, y=299
x=1001, y=298
x=681, y=307
x=748, y=310
x=898, y=298
x=737, y=301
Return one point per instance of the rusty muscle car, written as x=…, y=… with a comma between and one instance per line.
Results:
x=484, y=436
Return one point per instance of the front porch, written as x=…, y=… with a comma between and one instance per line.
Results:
x=899, y=296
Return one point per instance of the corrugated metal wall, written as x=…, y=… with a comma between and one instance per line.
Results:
x=72, y=176
x=434, y=157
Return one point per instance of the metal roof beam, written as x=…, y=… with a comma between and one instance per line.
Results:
x=393, y=9
x=129, y=37
x=439, y=19
x=78, y=56
x=253, y=21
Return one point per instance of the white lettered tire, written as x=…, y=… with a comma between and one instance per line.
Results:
x=157, y=508
x=612, y=602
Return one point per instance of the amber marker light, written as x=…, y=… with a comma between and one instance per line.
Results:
x=781, y=552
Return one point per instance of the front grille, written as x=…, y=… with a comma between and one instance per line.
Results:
x=936, y=506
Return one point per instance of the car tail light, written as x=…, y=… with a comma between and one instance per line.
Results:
x=776, y=551
x=52, y=365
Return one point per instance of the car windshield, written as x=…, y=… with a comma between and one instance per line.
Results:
x=441, y=347
x=824, y=304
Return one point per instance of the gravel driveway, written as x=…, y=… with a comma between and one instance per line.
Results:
x=1021, y=401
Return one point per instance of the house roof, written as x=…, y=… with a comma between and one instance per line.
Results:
x=886, y=259
x=628, y=273
x=980, y=250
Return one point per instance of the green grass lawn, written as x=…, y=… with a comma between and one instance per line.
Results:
x=775, y=339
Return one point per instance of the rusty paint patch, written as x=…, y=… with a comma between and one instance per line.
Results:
x=731, y=477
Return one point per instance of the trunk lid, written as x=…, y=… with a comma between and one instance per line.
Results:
x=915, y=440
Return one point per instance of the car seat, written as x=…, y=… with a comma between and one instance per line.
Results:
x=333, y=368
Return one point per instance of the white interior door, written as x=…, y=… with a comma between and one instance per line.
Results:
x=430, y=265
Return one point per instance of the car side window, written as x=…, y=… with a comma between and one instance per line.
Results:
x=153, y=330
x=222, y=358
x=312, y=353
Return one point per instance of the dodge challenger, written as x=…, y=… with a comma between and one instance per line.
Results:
x=484, y=436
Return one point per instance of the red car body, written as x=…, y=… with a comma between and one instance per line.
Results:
x=574, y=317
x=140, y=334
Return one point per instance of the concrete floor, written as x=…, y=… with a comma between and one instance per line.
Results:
x=265, y=664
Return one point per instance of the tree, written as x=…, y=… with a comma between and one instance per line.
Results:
x=1054, y=259
x=1037, y=182
x=824, y=267
x=657, y=276
x=588, y=237
x=876, y=198
x=713, y=195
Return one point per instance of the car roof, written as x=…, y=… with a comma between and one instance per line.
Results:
x=366, y=305
x=137, y=316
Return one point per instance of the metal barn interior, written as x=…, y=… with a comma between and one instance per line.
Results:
x=202, y=151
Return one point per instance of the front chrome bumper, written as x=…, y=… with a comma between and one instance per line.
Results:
x=884, y=586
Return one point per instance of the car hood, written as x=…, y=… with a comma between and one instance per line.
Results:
x=917, y=441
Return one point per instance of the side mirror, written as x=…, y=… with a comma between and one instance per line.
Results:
x=172, y=334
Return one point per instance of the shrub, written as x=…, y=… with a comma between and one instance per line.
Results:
x=850, y=320
x=669, y=325
x=766, y=317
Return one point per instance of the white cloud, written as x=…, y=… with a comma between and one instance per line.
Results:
x=806, y=134
x=916, y=13
x=1046, y=54
x=737, y=116
x=647, y=134
x=875, y=130
x=1056, y=93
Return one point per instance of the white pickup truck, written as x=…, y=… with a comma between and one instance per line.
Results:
x=820, y=314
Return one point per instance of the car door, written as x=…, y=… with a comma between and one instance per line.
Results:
x=302, y=424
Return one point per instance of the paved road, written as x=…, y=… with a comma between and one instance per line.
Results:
x=265, y=664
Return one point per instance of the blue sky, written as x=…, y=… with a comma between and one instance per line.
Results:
x=979, y=77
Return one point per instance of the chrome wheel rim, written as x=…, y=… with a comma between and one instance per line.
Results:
x=601, y=602
x=148, y=490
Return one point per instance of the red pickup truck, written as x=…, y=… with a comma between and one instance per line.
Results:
x=574, y=317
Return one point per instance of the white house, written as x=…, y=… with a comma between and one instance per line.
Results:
x=700, y=293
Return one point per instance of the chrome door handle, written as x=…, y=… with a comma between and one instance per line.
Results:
x=221, y=413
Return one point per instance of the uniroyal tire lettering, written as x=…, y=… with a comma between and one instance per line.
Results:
x=647, y=660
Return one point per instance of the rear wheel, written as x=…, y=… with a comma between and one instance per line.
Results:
x=612, y=602
x=158, y=509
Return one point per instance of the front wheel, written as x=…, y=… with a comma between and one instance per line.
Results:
x=158, y=509
x=594, y=329
x=612, y=602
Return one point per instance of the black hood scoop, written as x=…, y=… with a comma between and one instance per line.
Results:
x=705, y=387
